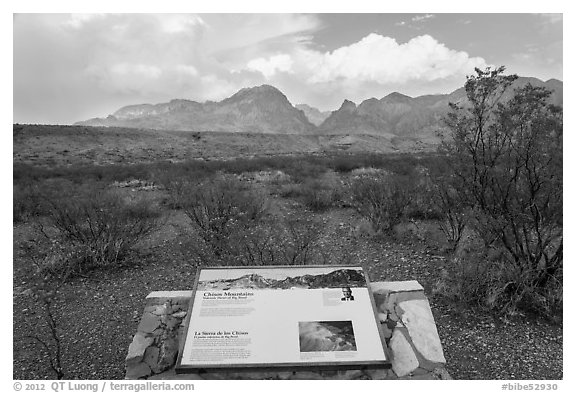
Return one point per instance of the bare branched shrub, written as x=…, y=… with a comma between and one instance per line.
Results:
x=298, y=242
x=382, y=199
x=505, y=152
x=284, y=242
x=264, y=243
x=320, y=195
x=257, y=246
x=218, y=208
x=26, y=202
x=487, y=279
x=454, y=217
x=46, y=275
x=99, y=228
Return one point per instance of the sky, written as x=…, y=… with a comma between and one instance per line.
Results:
x=71, y=67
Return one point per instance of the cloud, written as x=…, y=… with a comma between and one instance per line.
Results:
x=186, y=69
x=76, y=21
x=104, y=61
x=154, y=53
x=179, y=23
x=374, y=58
x=422, y=18
x=138, y=70
x=269, y=67
x=552, y=18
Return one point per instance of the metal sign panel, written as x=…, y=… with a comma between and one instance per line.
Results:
x=266, y=317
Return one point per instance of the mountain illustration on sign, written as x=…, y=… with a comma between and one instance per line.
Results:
x=336, y=279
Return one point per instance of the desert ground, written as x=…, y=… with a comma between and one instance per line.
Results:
x=304, y=184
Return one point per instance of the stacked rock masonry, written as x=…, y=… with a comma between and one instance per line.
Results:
x=403, y=309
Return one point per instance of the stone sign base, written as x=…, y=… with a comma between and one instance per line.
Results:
x=403, y=310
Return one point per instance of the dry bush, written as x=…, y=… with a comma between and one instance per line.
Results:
x=264, y=243
x=92, y=229
x=298, y=242
x=320, y=195
x=26, y=202
x=218, y=208
x=97, y=228
x=488, y=279
x=505, y=152
x=382, y=199
x=316, y=194
x=285, y=242
x=454, y=217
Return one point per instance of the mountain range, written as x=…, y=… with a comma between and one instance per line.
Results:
x=262, y=109
x=265, y=109
x=336, y=279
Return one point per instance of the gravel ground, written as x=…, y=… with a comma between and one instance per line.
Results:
x=99, y=314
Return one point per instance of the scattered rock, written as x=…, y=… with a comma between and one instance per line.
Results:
x=441, y=373
x=149, y=323
x=168, y=352
x=151, y=358
x=419, y=321
x=179, y=314
x=137, y=371
x=404, y=361
x=138, y=348
x=386, y=331
x=163, y=309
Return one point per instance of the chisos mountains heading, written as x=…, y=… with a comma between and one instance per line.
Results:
x=265, y=109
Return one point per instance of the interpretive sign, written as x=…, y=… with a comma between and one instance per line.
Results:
x=260, y=317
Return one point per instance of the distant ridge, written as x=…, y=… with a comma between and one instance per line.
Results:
x=266, y=110
x=261, y=109
x=399, y=115
x=314, y=115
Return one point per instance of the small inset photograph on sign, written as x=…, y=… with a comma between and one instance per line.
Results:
x=326, y=336
x=347, y=295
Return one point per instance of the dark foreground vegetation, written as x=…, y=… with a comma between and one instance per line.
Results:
x=479, y=224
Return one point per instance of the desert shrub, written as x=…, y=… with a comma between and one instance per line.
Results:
x=46, y=275
x=267, y=242
x=453, y=215
x=305, y=169
x=298, y=242
x=316, y=194
x=26, y=202
x=290, y=190
x=319, y=195
x=219, y=207
x=284, y=242
x=381, y=199
x=98, y=228
x=487, y=279
x=422, y=204
x=505, y=151
x=344, y=164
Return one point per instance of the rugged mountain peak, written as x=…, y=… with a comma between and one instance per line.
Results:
x=347, y=105
x=314, y=115
x=133, y=111
x=396, y=97
x=265, y=109
x=265, y=92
